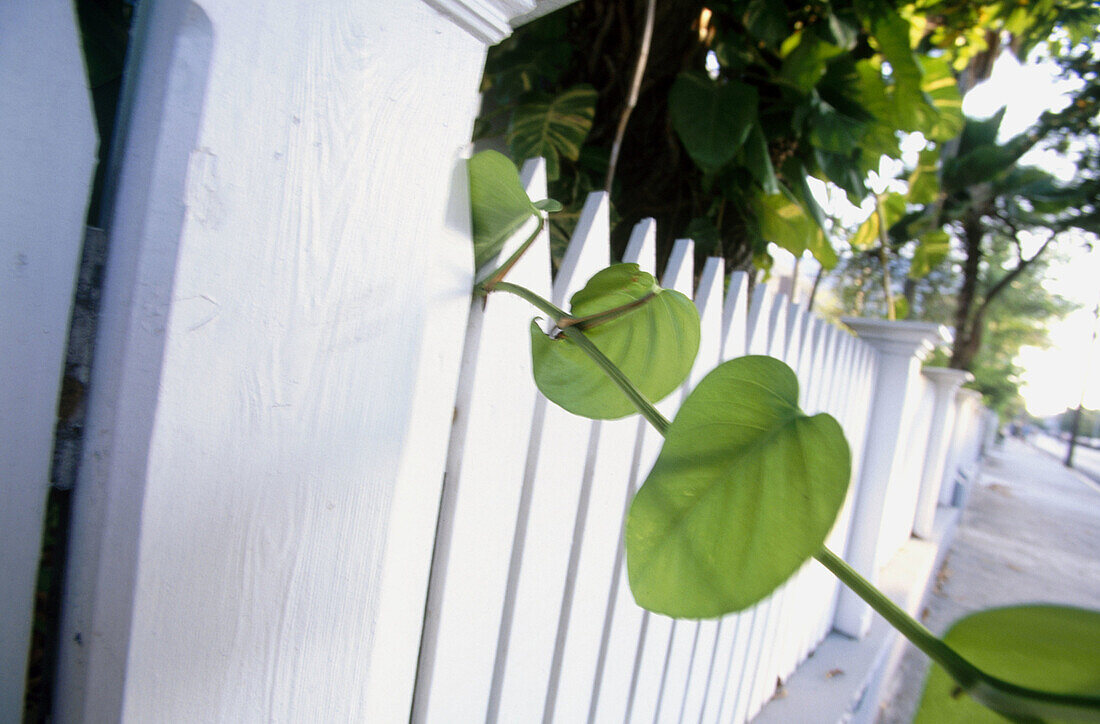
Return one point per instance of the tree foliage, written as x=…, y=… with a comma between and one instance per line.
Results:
x=741, y=102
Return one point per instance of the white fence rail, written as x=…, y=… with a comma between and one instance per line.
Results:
x=529, y=615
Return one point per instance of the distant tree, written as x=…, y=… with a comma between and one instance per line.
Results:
x=1018, y=315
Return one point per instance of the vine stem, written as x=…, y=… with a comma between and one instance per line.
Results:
x=961, y=670
x=999, y=695
x=1002, y=696
x=645, y=407
x=494, y=279
x=562, y=321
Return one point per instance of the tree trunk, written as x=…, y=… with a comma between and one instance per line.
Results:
x=968, y=323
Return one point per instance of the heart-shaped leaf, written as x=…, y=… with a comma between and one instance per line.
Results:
x=1048, y=648
x=653, y=342
x=499, y=205
x=743, y=492
x=712, y=119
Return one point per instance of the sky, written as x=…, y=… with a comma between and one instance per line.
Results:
x=1055, y=378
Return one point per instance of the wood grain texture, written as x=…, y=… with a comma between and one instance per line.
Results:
x=623, y=621
x=584, y=632
x=47, y=152
x=656, y=646
x=287, y=196
x=486, y=465
x=556, y=486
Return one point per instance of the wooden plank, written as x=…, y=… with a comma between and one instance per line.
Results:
x=47, y=151
x=285, y=223
x=559, y=471
x=623, y=621
x=655, y=647
x=783, y=654
x=766, y=323
x=708, y=299
x=735, y=316
x=585, y=637
x=727, y=662
x=487, y=464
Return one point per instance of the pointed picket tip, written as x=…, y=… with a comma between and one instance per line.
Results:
x=642, y=247
x=589, y=249
x=735, y=316
x=679, y=270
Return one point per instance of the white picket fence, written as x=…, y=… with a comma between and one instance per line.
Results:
x=529, y=615
x=260, y=487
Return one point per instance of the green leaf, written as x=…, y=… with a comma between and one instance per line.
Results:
x=868, y=235
x=766, y=20
x=499, y=205
x=785, y=222
x=708, y=240
x=550, y=206
x=930, y=253
x=743, y=492
x=892, y=34
x=942, y=88
x=554, y=128
x=712, y=119
x=759, y=161
x=984, y=163
x=832, y=131
x=1049, y=648
x=654, y=344
x=806, y=63
x=924, y=185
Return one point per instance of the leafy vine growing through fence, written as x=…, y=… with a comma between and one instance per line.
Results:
x=747, y=486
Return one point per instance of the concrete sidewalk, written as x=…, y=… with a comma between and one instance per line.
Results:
x=1030, y=532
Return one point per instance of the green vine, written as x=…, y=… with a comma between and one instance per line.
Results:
x=747, y=486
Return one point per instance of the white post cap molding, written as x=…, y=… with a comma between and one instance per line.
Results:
x=491, y=21
x=948, y=378
x=945, y=383
x=899, y=337
x=900, y=346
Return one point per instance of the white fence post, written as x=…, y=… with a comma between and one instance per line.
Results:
x=286, y=294
x=47, y=153
x=900, y=346
x=945, y=383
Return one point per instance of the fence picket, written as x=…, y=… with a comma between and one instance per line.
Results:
x=734, y=336
x=485, y=468
x=708, y=299
x=623, y=621
x=612, y=460
x=547, y=517
x=655, y=646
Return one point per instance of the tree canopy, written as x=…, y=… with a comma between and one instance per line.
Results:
x=738, y=104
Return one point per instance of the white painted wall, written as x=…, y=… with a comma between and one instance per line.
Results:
x=285, y=301
x=47, y=153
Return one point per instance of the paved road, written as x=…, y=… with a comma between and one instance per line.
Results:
x=1030, y=533
x=1086, y=460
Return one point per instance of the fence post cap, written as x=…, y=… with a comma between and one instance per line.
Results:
x=947, y=377
x=899, y=337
